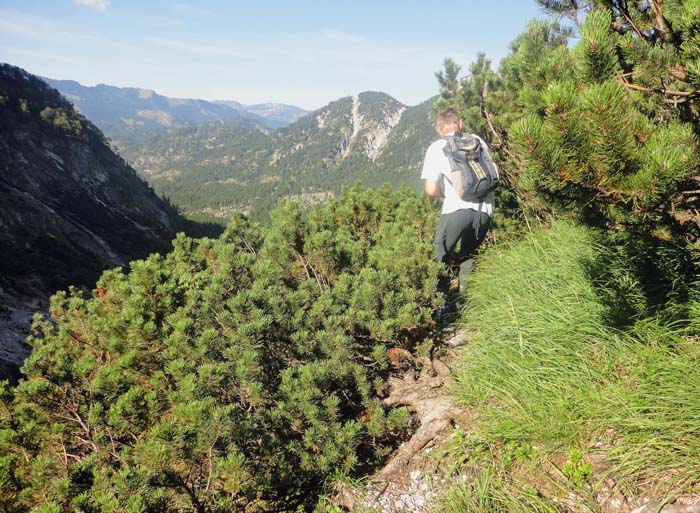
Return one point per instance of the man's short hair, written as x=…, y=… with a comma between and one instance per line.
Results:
x=446, y=118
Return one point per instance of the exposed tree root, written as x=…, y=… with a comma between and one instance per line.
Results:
x=412, y=478
x=426, y=398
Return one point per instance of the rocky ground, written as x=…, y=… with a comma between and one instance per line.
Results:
x=420, y=470
x=14, y=328
x=416, y=474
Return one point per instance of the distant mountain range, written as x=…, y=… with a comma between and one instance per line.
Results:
x=212, y=170
x=273, y=115
x=129, y=113
x=214, y=158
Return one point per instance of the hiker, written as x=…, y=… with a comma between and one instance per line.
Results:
x=465, y=220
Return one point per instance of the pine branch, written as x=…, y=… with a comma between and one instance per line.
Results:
x=568, y=8
x=489, y=121
x=683, y=95
x=662, y=24
x=621, y=6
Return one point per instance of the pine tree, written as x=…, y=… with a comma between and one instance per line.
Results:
x=236, y=374
x=608, y=128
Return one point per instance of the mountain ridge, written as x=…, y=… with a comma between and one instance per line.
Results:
x=370, y=137
x=71, y=207
x=133, y=112
x=212, y=169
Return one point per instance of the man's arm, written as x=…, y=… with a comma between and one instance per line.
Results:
x=432, y=188
x=432, y=164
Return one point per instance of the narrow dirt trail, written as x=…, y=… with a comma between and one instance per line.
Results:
x=421, y=469
x=415, y=475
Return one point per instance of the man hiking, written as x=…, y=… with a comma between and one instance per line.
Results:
x=465, y=220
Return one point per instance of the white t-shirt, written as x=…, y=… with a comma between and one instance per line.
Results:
x=436, y=163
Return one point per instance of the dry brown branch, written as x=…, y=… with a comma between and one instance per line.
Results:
x=628, y=19
x=662, y=24
x=248, y=246
x=87, y=442
x=667, y=92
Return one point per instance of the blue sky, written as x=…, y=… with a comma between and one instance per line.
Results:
x=306, y=53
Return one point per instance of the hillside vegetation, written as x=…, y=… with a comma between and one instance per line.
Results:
x=246, y=373
x=237, y=374
x=216, y=170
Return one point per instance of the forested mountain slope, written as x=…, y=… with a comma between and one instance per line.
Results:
x=215, y=170
x=70, y=206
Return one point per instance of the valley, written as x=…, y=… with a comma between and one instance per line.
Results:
x=220, y=162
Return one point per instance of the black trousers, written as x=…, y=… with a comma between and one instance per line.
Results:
x=466, y=226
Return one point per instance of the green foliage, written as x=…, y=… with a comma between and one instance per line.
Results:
x=235, y=374
x=449, y=84
x=569, y=348
x=576, y=469
x=60, y=119
x=595, y=55
x=607, y=127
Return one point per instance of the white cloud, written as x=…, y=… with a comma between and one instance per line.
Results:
x=98, y=5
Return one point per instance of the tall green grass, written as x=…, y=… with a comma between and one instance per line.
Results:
x=655, y=409
x=533, y=365
x=552, y=367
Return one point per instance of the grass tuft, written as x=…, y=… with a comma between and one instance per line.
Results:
x=553, y=367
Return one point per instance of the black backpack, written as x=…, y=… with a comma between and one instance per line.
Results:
x=472, y=172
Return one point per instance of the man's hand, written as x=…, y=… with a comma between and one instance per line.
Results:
x=432, y=188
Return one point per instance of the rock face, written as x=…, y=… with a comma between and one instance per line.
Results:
x=372, y=128
x=70, y=207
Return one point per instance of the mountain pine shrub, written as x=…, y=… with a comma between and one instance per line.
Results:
x=236, y=374
x=606, y=127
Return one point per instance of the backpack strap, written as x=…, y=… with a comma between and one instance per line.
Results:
x=449, y=147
